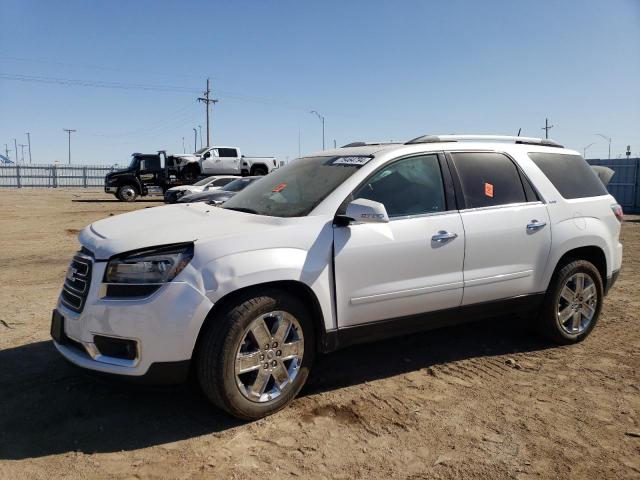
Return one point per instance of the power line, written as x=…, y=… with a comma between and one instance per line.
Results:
x=96, y=83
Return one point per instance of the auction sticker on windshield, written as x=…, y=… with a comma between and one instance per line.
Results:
x=356, y=161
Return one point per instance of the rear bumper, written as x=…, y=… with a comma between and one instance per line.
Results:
x=611, y=281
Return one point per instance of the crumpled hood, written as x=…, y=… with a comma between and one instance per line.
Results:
x=170, y=224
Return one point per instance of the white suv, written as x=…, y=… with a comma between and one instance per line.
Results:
x=348, y=245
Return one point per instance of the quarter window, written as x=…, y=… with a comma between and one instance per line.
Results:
x=488, y=179
x=570, y=174
x=412, y=186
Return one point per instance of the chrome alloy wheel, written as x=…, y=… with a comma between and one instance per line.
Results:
x=128, y=193
x=577, y=303
x=269, y=356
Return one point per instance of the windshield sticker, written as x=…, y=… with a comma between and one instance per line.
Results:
x=356, y=161
x=279, y=188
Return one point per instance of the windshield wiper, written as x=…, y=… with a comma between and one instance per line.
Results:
x=241, y=209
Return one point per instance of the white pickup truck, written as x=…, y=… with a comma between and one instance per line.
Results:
x=219, y=160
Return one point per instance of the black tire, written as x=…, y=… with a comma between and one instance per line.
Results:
x=190, y=173
x=216, y=353
x=259, y=170
x=127, y=193
x=548, y=321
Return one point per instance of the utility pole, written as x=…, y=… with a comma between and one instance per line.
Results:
x=29, y=143
x=200, y=131
x=607, y=139
x=69, y=131
x=207, y=101
x=195, y=140
x=183, y=150
x=22, y=145
x=15, y=149
x=6, y=151
x=321, y=118
x=546, y=128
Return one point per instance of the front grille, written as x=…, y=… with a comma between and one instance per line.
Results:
x=77, y=282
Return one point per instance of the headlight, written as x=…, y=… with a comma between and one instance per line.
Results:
x=152, y=266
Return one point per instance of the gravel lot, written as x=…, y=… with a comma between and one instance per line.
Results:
x=487, y=400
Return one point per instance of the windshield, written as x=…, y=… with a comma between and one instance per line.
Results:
x=237, y=185
x=204, y=181
x=201, y=151
x=296, y=189
x=133, y=164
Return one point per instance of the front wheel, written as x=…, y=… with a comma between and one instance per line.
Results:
x=255, y=356
x=260, y=170
x=127, y=193
x=572, y=304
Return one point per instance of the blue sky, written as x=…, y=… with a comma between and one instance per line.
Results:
x=377, y=70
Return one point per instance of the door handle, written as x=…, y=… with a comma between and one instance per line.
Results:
x=443, y=236
x=535, y=225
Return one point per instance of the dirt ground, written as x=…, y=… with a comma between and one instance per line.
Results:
x=487, y=400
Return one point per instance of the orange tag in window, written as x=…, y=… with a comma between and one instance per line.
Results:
x=279, y=188
x=488, y=190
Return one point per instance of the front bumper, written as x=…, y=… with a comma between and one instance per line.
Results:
x=164, y=327
x=108, y=189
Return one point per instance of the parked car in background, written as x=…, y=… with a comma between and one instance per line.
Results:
x=220, y=195
x=173, y=194
x=345, y=246
x=219, y=160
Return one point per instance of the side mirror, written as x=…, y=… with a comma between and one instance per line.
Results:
x=363, y=210
x=207, y=155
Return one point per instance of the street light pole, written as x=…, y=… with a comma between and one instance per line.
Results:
x=200, y=130
x=29, y=143
x=321, y=118
x=15, y=146
x=609, y=140
x=584, y=150
x=183, y=150
x=195, y=140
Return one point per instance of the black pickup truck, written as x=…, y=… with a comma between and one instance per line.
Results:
x=145, y=173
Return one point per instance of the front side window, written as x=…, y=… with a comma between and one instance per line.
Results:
x=412, y=186
x=488, y=179
x=297, y=188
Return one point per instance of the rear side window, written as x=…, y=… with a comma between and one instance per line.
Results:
x=570, y=174
x=488, y=179
x=227, y=152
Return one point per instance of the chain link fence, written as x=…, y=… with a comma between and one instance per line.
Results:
x=53, y=176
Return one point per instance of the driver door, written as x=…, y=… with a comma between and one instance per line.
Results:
x=412, y=264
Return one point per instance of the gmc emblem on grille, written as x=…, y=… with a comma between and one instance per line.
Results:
x=71, y=273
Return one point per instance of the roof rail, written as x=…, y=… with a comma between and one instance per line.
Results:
x=484, y=138
x=368, y=144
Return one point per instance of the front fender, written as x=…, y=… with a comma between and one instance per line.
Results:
x=227, y=274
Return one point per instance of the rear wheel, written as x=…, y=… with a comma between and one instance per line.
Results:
x=573, y=302
x=127, y=193
x=259, y=170
x=255, y=356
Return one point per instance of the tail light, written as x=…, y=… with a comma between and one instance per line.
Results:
x=617, y=211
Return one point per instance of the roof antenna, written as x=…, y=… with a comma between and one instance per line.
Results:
x=519, y=130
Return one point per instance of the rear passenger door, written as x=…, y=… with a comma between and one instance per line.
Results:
x=507, y=231
x=229, y=160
